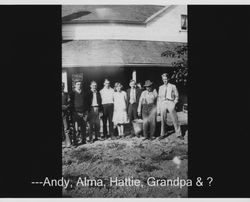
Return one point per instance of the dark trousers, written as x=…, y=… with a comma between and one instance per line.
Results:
x=149, y=119
x=94, y=122
x=79, y=123
x=132, y=115
x=108, y=110
x=132, y=112
x=65, y=123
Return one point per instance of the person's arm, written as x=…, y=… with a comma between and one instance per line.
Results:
x=99, y=100
x=126, y=99
x=64, y=107
x=128, y=94
x=158, y=105
x=101, y=94
x=113, y=95
x=140, y=104
x=138, y=94
x=71, y=101
x=68, y=99
x=155, y=95
x=85, y=105
x=176, y=94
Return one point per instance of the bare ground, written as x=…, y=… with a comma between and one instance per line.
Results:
x=128, y=157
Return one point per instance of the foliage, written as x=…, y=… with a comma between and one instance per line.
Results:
x=180, y=64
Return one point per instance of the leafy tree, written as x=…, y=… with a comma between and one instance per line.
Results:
x=180, y=64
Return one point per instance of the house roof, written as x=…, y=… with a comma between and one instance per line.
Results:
x=85, y=53
x=138, y=14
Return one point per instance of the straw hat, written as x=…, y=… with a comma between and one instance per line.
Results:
x=148, y=83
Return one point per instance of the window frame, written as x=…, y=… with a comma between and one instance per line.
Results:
x=186, y=16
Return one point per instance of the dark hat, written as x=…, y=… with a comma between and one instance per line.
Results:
x=148, y=83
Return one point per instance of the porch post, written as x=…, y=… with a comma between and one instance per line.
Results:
x=134, y=75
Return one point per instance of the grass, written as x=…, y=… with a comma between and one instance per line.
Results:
x=123, y=158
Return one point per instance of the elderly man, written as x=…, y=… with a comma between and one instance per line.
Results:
x=107, y=95
x=79, y=106
x=95, y=111
x=147, y=108
x=167, y=99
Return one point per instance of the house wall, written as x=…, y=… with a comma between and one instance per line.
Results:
x=165, y=27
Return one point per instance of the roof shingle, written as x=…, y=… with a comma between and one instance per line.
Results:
x=115, y=52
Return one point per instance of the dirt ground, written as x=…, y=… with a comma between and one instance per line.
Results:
x=127, y=158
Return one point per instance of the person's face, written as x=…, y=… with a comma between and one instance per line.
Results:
x=132, y=84
x=118, y=88
x=93, y=86
x=148, y=88
x=78, y=86
x=165, y=80
x=107, y=84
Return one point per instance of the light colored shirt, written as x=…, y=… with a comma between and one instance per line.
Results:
x=147, y=98
x=167, y=92
x=132, y=96
x=107, y=95
x=94, y=100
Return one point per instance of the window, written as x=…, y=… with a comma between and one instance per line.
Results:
x=184, y=24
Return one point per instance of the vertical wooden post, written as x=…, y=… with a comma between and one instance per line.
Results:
x=65, y=80
x=134, y=75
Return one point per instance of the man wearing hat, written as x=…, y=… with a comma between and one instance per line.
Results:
x=147, y=108
x=167, y=99
x=107, y=96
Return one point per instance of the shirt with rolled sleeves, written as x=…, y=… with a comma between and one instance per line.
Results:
x=147, y=98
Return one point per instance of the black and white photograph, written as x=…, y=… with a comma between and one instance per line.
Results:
x=125, y=101
x=154, y=95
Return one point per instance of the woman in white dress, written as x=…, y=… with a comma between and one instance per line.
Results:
x=120, y=109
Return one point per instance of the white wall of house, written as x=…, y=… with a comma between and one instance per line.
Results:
x=164, y=27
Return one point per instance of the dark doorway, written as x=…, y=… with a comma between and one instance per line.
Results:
x=98, y=74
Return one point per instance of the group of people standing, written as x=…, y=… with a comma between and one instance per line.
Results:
x=116, y=108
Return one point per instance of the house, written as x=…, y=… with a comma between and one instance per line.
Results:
x=120, y=42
